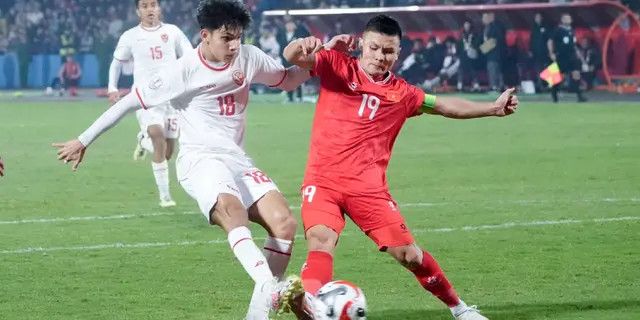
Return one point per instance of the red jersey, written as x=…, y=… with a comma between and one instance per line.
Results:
x=355, y=125
x=70, y=69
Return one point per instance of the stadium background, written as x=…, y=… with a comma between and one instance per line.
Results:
x=533, y=216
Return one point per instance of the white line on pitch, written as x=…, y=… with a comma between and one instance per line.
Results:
x=403, y=205
x=93, y=218
x=139, y=245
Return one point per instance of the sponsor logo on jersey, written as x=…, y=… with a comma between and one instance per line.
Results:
x=165, y=37
x=238, y=77
x=208, y=87
x=232, y=188
x=155, y=83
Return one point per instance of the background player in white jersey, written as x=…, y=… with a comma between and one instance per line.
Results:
x=209, y=88
x=152, y=45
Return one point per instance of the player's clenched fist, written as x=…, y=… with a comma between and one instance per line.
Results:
x=310, y=45
x=507, y=103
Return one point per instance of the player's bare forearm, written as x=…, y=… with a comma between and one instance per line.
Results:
x=458, y=108
x=301, y=52
x=294, y=78
x=294, y=55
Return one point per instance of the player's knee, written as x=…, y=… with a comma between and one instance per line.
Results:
x=284, y=224
x=229, y=212
x=321, y=238
x=408, y=256
x=155, y=133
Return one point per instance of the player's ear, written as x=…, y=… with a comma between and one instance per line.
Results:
x=138, y=13
x=360, y=44
x=204, y=35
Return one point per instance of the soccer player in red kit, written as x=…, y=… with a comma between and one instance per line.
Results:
x=361, y=109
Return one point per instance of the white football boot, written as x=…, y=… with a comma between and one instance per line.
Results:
x=273, y=296
x=167, y=202
x=469, y=313
x=139, y=152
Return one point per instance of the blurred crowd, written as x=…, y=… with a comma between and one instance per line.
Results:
x=480, y=57
x=31, y=27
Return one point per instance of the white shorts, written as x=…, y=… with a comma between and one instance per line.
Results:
x=164, y=116
x=204, y=175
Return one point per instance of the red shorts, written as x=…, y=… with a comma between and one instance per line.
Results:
x=377, y=215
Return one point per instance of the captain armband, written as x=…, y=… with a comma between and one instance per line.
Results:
x=429, y=102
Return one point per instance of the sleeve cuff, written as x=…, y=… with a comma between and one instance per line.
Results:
x=144, y=106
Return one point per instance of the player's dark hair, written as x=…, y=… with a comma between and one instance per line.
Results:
x=231, y=14
x=385, y=25
x=137, y=2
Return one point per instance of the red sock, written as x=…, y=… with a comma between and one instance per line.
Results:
x=433, y=279
x=317, y=270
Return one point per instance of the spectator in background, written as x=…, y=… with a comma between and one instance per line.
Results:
x=291, y=31
x=538, y=48
x=414, y=66
x=23, y=52
x=86, y=44
x=562, y=49
x=103, y=49
x=468, y=54
x=69, y=74
x=493, y=45
x=590, y=61
x=268, y=42
x=436, y=51
x=450, y=65
x=115, y=23
x=67, y=42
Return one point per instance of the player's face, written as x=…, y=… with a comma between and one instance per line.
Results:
x=379, y=52
x=222, y=44
x=566, y=20
x=149, y=12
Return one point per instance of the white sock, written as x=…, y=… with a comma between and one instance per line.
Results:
x=459, y=309
x=278, y=252
x=161, y=173
x=147, y=144
x=251, y=258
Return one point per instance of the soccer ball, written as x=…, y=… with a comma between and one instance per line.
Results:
x=342, y=300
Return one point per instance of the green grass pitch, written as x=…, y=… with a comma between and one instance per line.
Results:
x=535, y=216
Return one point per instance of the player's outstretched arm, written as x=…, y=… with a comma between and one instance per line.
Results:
x=458, y=108
x=301, y=52
x=73, y=150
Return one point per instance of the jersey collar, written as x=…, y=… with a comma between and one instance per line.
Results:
x=151, y=29
x=208, y=64
x=381, y=82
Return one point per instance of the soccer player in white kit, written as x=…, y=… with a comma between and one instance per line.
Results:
x=209, y=88
x=152, y=45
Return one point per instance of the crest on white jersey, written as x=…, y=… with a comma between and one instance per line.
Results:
x=155, y=83
x=238, y=77
x=165, y=37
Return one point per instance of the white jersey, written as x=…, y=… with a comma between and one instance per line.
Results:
x=151, y=49
x=211, y=101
